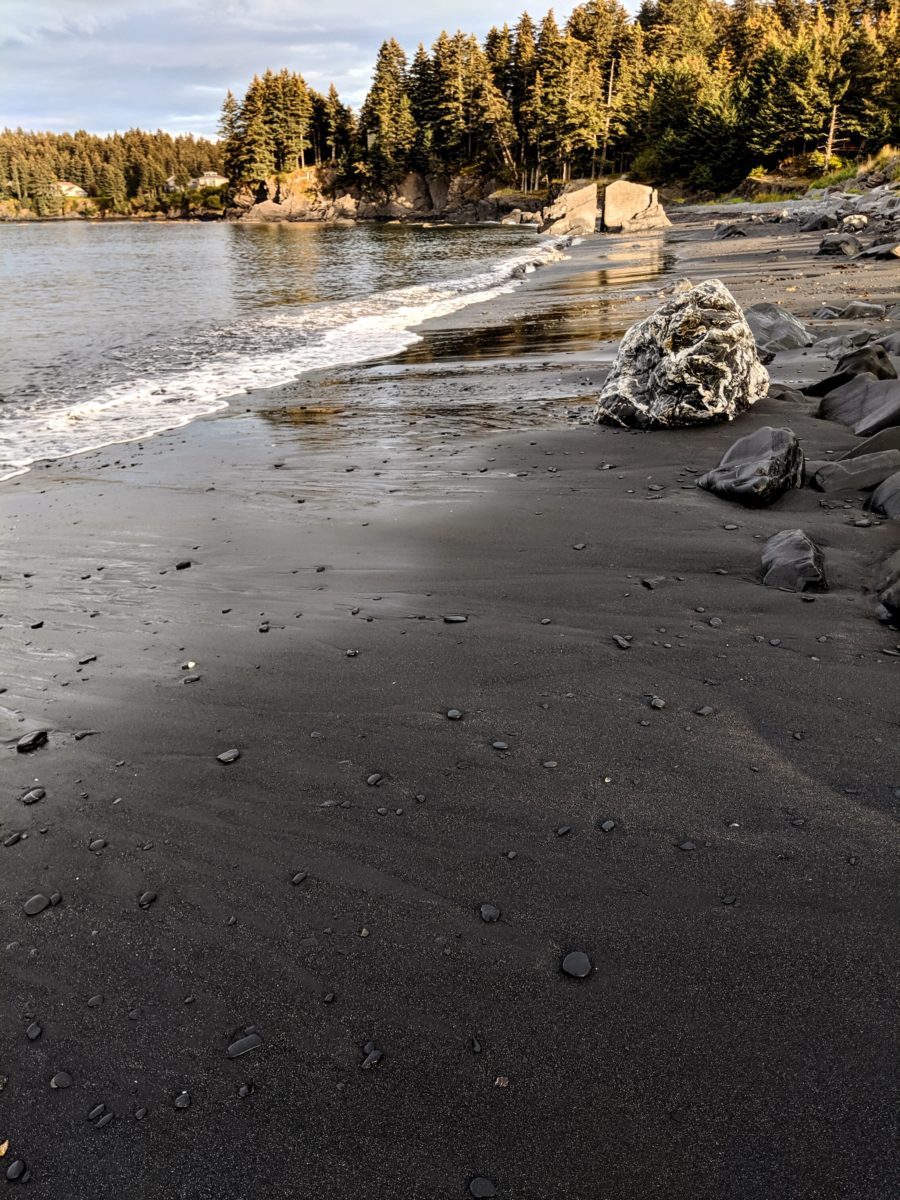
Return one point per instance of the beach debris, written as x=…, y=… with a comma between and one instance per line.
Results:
x=298, y=878
x=757, y=469
x=775, y=329
x=885, y=500
x=482, y=1188
x=32, y=741
x=792, y=561
x=576, y=964
x=687, y=846
x=228, y=756
x=693, y=360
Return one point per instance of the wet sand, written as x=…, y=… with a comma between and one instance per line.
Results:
x=734, y=1039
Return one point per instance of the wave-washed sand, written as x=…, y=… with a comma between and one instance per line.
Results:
x=731, y=876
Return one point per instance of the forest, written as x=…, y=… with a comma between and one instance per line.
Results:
x=694, y=92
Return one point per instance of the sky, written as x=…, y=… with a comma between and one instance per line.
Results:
x=105, y=65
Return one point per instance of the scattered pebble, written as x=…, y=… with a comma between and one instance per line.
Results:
x=244, y=1045
x=577, y=965
x=62, y=1079
x=482, y=1188
x=36, y=905
x=489, y=913
x=228, y=756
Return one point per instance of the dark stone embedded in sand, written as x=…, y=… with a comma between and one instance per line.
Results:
x=33, y=795
x=104, y=1120
x=621, y=642
x=840, y=243
x=780, y=391
x=887, y=588
x=726, y=230
x=97, y=844
x=140, y=1113
x=374, y=780
x=62, y=1079
x=884, y=250
x=885, y=500
x=608, y=826
x=857, y=474
x=482, y=1188
x=182, y=1100
x=792, y=560
x=182, y=564
x=816, y=222
x=33, y=1032
x=890, y=342
x=32, y=741
x=692, y=361
x=16, y=1170
x=373, y=1056
x=453, y=714
x=228, y=756
x=775, y=329
x=452, y=619
x=297, y=879
x=870, y=360
x=97, y=1111
x=868, y=405
x=687, y=845
x=758, y=468
x=577, y=965
x=244, y=1045
x=146, y=899
x=36, y=905
x=489, y=913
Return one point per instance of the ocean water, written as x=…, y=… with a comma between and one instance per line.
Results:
x=113, y=332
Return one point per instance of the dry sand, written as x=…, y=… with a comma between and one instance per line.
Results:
x=734, y=1039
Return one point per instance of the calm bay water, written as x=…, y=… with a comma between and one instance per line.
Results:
x=112, y=332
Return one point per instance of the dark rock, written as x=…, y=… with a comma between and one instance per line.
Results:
x=374, y=780
x=688, y=845
x=489, y=913
x=146, y=899
x=228, y=756
x=887, y=588
x=577, y=965
x=62, y=1079
x=692, y=361
x=840, y=243
x=244, y=1045
x=95, y=1001
x=861, y=310
x=608, y=826
x=868, y=405
x=104, y=1120
x=621, y=642
x=182, y=1100
x=33, y=1032
x=775, y=329
x=32, y=741
x=97, y=844
x=884, y=250
x=758, y=468
x=890, y=342
x=481, y=1188
x=183, y=564
x=885, y=499
x=453, y=714
x=887, y=439
x=792, y=560
x=450, y=619
x=32, y=796
x=780, y=391
x=96, y=1112
x=857, y=474
x=726, y=230
x=298, y=878
x=816, y=222
x=869, y=360
x=372, y=1057
x=36, y=905
x=16, y=1170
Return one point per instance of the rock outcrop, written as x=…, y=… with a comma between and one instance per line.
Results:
x=631, y=208
x=757, y=469
x=572, y=209
x=692, y=361
x=885, y=499
x=865, y=403
x=857, y=474
x=792, y=561
x=775, y=329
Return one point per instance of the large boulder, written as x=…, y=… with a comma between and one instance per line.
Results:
x=632, y=207
x=887, y=439
x=572, y=209
x=840, y=243
x=857, y=474
x=792, y=561
x=871, y=360
x=692, y=361
x=885, y=500
x=775, y=329
x=758, y=468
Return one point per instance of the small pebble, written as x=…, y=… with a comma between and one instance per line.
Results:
x=228, y=756
x=482, y=1188
x=62, y=1079
x=183, y=1100
x=577, y=965
x=489, y=913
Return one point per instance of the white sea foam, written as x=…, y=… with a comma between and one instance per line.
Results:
x=258, y=352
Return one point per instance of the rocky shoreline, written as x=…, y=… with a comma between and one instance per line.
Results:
x=438, y=803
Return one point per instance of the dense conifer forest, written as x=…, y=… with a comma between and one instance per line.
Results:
x=699, y=92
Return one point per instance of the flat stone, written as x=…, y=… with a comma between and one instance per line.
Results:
x=657, y=702
x=453, y=714
x=33, y=1032
x=32, y=741
x=97, y=844
x=577, y=965
x=374, y=780
x=299, y=878
x=608, y=826
x=36, y=904
x=228, y=756
x=96, y=1112
x=182, y=564
x=182, y=1100
x=32, y=796
x=104, y=1120
x=489, y=913
x=146, y=899
x=481, y=1188
x=16, y=1170
x=62, y=1079
x=688, y=845
x=95, y=1001
x=500, y=745
x=455, y=619
x=244, y=1045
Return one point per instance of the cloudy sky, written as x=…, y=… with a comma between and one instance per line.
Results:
x=102, y=65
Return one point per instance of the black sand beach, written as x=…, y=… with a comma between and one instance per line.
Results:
x=734, y=1039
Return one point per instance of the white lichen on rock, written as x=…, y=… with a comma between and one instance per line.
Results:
x=692, y=361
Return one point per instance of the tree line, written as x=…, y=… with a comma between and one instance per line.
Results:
x=699, y=91
x=122, y=173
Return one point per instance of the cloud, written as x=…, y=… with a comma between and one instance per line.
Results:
x=117, y=64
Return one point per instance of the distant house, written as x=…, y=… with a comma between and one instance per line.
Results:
x=207, y=179
x=65, y=188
